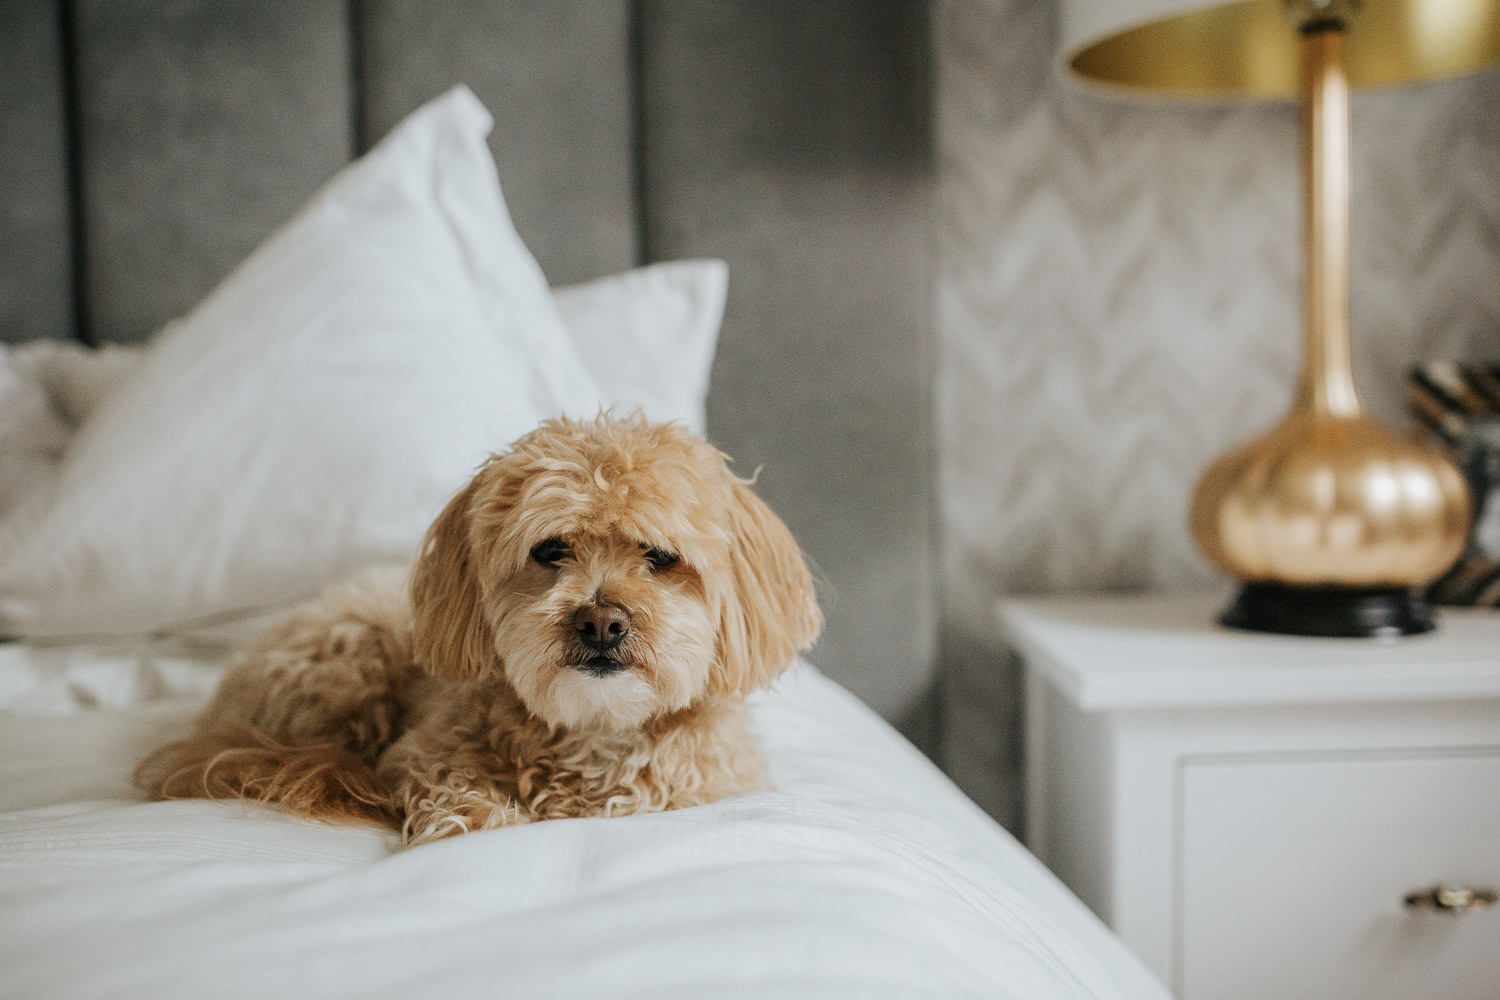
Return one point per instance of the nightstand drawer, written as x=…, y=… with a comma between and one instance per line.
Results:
x=1293, y=870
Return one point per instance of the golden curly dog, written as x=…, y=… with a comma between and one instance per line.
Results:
x=579, y=634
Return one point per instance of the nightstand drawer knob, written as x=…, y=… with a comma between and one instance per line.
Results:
x=1446, y=898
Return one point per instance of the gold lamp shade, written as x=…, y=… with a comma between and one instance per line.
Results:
x=1332, y=523
x=1250, y=49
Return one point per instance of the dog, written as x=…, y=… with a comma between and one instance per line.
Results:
x=577, y=638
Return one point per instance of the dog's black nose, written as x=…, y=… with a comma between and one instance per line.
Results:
x=601, y=625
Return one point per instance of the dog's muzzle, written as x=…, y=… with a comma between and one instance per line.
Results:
x=601, y=631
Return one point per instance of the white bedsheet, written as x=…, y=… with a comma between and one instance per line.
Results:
x=866, y=875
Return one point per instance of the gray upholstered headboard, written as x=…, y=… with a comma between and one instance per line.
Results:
x=146, y=146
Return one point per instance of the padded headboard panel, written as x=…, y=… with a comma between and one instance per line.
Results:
x=146, y=146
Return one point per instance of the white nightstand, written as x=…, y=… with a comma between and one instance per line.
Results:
x=1248, y=811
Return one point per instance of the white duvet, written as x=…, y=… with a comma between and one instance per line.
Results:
x=866, y=875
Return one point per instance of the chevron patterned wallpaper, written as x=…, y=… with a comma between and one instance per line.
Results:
x=1117, y=300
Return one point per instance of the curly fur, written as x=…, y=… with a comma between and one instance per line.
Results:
x=482, y=694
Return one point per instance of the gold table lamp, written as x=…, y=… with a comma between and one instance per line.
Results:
x=1332, y=524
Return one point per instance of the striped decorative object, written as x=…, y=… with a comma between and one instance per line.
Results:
x=1458, y=407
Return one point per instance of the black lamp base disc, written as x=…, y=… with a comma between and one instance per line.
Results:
x=1349, y=612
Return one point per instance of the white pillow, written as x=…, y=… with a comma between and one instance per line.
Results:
x=32, y=438
x=47, y=388
x=315, y=411
x=648, y=335
x=74, y=378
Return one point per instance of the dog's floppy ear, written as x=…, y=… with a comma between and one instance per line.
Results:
x=451, y=637
x=771, y=611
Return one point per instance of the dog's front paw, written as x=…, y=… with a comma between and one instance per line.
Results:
x=454, y=806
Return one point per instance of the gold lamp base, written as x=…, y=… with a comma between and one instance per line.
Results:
x=1332, y=523
x=1323, y=500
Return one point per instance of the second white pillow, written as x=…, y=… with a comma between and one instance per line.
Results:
x=648, y=336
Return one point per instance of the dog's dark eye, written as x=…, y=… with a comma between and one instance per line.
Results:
x=661, y=558
x=548, y=553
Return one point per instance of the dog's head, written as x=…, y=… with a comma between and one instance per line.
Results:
x=613, y=570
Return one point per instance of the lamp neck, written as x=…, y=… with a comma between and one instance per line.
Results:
x=1327, y=381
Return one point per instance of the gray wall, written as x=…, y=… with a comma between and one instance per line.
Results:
x=1117, y=302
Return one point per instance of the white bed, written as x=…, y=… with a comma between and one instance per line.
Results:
x=311, y=416
x=867, y=874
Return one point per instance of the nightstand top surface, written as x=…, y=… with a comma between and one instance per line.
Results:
x=1167, y=651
